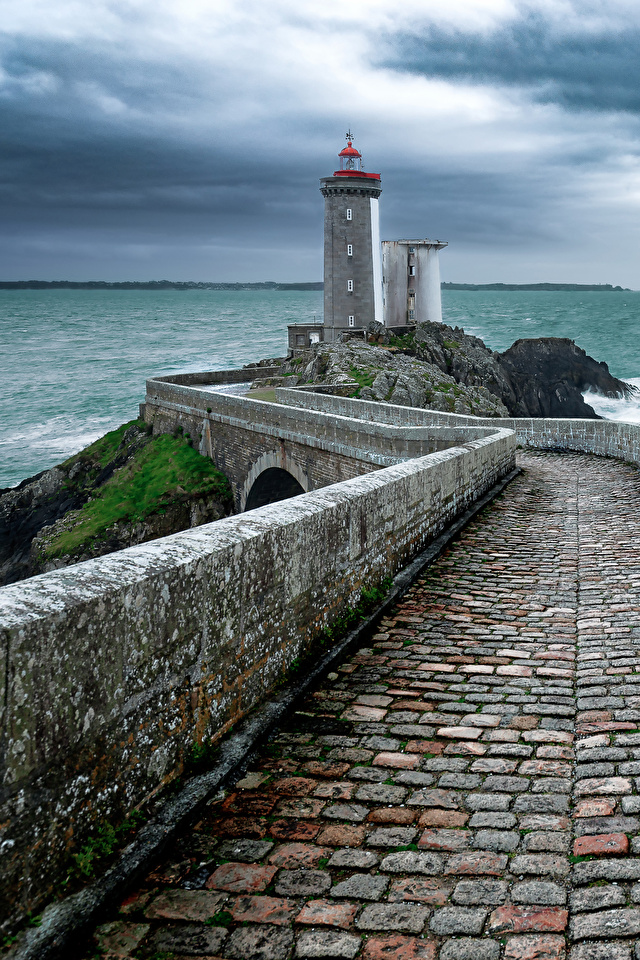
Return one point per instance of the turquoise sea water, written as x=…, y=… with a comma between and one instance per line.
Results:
x=74, y=362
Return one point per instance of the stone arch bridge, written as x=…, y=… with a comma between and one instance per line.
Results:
x=113, y=669
x=273, y=451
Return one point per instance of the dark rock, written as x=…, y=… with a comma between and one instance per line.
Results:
x=24, y=510
x=438, y=367
x=549, y=376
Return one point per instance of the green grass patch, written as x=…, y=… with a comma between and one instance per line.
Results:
x=404, y=342
x=268, y=394
x=164, y=471
x=364, y=377
x=104, y=449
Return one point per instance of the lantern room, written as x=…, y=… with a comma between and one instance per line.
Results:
x=351, y=162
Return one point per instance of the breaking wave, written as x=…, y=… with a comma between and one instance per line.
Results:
x=626, y=408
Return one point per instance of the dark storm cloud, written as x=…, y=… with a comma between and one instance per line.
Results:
x=173, y=137
x=578, y=70
x=50, y=73
x=91, y=139
x=459, y=206
x=66, y=162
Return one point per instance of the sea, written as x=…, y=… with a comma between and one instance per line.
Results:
x=74, y=362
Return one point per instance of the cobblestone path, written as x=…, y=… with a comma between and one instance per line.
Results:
x=468, y=787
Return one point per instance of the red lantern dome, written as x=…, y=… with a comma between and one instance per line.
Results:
x=351, y=162
x=350, y=152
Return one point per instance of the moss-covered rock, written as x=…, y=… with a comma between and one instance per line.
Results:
x=438, y=367
x=391, y=370
x=124, y=489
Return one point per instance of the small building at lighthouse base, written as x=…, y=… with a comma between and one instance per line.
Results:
x=411, y=282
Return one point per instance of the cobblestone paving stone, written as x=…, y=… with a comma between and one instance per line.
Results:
x=466, y=788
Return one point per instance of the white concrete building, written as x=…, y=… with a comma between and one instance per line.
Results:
x=411, y=282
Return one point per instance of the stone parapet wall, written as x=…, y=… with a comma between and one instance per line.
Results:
x=319, y=427
x=114, y=668
x=608, y=438
x=317, y=447
x=367, y=410
x=244, y=375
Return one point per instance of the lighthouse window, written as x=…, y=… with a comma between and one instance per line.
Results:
x=349, y=249
x=350, y=286
x=412, y=271
x=349, y=213
x=352, y=320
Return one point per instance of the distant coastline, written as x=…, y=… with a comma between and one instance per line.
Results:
x=150, y=285
x=553, y=287
x=273, y=285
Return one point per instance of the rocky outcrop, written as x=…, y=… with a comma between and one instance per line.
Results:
x=184, y=513
x=443, y=368
x=24, y=510
x=40, y=501
x=395, y=374
x=549, y=375
x=38, y=514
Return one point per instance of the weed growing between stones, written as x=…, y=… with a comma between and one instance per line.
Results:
x=105, y=842
x=220, y=919
x=370, y=598
x=203, y=755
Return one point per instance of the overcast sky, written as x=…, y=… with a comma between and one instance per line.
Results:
x=184, y=139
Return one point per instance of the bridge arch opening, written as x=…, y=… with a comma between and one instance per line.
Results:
x=272, y=485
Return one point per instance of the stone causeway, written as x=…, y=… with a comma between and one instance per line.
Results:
x=467, y=787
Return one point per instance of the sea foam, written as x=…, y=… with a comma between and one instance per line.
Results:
x=625, y=408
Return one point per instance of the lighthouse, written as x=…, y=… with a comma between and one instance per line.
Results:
x=355, y=290
x=352, y=250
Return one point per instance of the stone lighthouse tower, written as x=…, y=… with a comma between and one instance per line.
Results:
x=352, y=250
